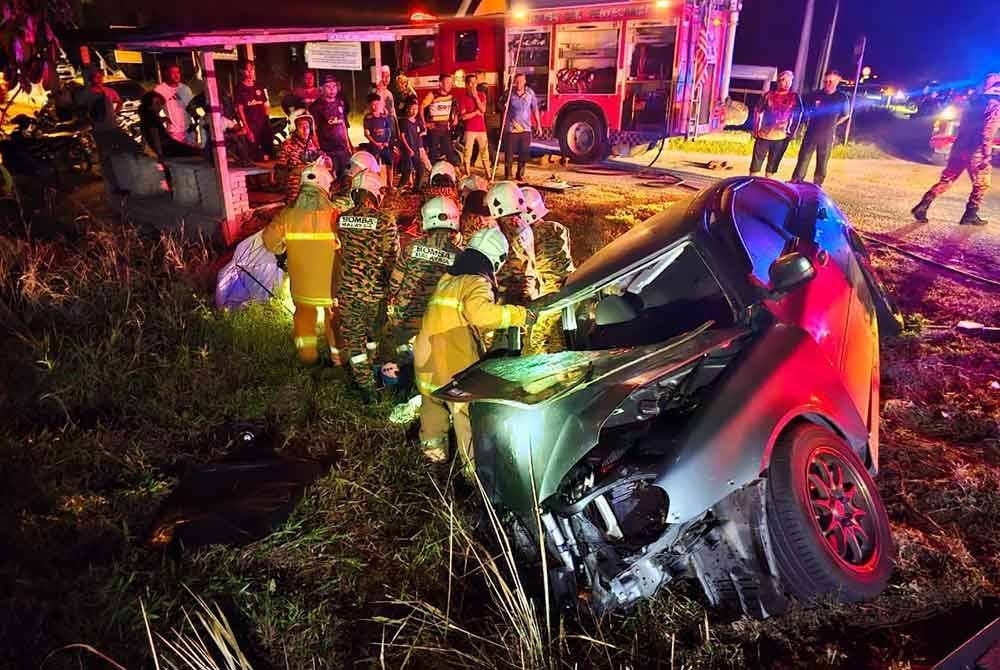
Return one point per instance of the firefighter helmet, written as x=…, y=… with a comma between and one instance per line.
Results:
x=992, y=84
x=443, y=169
x=534, y=205
x=362, y=160
x=299, y=115
x=472, y=183
x=505, y=198
x=439, y=212
x=369, y=181
x=318, y=175
x=490, y=242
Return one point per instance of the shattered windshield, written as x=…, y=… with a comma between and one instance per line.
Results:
x=673, y=294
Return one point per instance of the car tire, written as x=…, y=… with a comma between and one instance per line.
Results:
x=817, y=547
x=583, y=137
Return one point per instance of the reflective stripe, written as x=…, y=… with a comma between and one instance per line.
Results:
x=310, y=236
x=505, y=319
x=434, y=442
x=454, y=303
x=306, y=341
x=359, y=359
x=427, y=387
x=314, y=302
x=404, y=349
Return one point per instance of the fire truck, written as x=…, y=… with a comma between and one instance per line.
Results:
x=610, y=77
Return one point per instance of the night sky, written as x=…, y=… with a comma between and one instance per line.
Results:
x=909, y=40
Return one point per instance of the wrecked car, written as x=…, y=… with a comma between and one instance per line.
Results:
x=714, y=414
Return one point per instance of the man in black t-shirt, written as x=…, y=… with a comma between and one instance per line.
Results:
x=824, y=111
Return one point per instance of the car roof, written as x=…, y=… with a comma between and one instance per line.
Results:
x=773, y=201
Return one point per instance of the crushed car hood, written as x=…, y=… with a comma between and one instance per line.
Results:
x=540, y=414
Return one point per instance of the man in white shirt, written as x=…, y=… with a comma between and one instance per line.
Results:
x=178, y=96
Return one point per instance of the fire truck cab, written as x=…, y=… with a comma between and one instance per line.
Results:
x=609, y=77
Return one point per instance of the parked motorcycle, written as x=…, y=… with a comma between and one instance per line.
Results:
x=44, y=147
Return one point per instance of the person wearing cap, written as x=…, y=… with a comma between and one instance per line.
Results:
x=421, y=264
x=369, y=243
x=306, y=230
x=460, y=314
x=972, y=152
x=299, y=150
x=775, y=123
x=826, y=109
x=332, y=126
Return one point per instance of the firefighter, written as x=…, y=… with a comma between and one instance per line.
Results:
x=306, y=229
x=518, y=282
x=972, y=152
x=359, y=162
x=369, y=247
x=469, y=184
x=299, y=150
x=460, y=312
x=442, y=181
x=554, y=264
x=420, y=266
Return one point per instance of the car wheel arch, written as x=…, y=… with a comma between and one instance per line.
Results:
x=808, y=415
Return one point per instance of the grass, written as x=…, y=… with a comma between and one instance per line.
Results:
x=740, y=143
x=119, y=374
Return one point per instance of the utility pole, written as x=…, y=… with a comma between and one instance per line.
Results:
x=802, y=58
x=859, y=53
x=824, y=61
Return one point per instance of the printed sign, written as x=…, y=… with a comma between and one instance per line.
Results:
x=334, y=55
x=358, y=222
x=124, y=56
x=432, y=254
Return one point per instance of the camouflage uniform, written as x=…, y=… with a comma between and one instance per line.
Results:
x=429, y=192
x=343, y=201
x=972, y=151
x=518, y=280
x=472, y=223
x=554, y=263
x=369, y=247
x=417, y=272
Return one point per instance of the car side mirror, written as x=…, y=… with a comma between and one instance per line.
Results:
x=788, y=272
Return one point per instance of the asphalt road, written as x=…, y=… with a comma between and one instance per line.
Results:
x=875, y=194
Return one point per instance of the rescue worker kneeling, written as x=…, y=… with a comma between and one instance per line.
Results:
x=369, y=246
x=418, y=270
x=462, y=309
x=443, y=181
x=307, y=229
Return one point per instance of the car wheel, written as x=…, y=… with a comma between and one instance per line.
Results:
x=582, y=137
x=827, y=524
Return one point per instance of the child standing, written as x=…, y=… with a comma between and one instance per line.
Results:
x=410, y=145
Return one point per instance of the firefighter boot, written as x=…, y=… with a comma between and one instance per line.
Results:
x=304, y=324
x=971, y=217
x=920, y=211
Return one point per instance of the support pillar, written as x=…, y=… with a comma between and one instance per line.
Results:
x=216, y=125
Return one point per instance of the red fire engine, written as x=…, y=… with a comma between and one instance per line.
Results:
x=609, y=76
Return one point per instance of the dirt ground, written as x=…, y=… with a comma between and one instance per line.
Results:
x=121, y=375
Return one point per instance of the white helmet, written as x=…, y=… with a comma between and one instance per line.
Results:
x=472, y=183
x=490, y=242
x=362, y=160
x=370, y=182
x=439, y=212
x=318, y=174
x=534, y=205
x=445, y=169
x=298, y=114
x=505, y=198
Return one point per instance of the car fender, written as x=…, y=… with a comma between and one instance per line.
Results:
x=779, y=378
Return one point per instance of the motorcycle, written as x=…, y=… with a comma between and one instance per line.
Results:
x=45, y=147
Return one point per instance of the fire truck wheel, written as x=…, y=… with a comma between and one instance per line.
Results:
x=582, y=137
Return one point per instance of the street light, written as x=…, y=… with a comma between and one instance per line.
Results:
x=520, y=13
x=662, y=4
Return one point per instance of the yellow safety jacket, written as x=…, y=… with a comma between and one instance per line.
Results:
x=310, y=235
x=450, y=339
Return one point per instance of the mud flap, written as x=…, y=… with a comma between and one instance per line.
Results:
x=734, y=562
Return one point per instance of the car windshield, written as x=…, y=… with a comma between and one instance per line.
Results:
x=672, y=295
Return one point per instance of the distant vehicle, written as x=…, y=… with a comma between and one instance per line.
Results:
x=945, y=129
x=714, y=416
